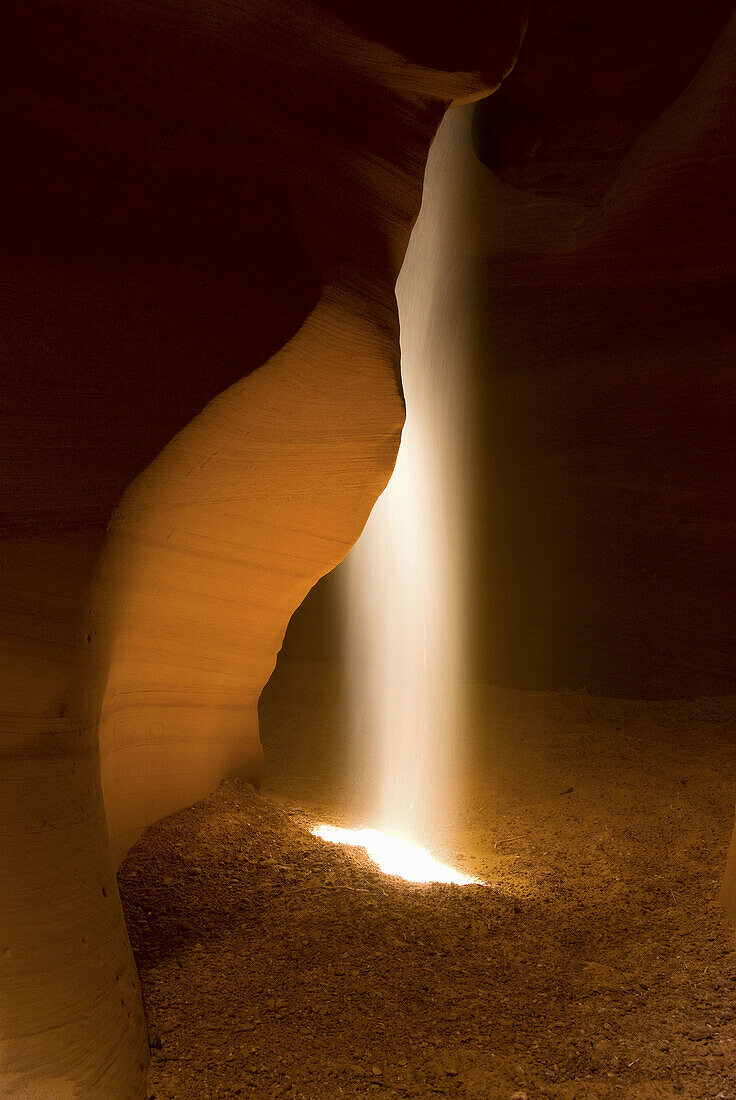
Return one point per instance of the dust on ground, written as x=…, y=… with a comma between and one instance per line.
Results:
x=597, y=963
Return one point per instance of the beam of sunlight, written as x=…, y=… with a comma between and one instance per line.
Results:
x=404, y=580
x=396, y=857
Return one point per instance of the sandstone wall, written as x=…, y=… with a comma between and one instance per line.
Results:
x=205, y=208
x=595, y=243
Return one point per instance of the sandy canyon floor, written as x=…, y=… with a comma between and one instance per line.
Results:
x=597, y=963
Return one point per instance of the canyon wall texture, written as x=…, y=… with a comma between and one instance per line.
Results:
x=205, y=207
x=603, y=345
x=596, y=247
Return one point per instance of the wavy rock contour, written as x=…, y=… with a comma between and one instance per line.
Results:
x=206, y=209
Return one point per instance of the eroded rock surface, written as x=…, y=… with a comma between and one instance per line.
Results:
x=205, y=209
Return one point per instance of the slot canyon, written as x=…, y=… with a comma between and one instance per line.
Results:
x=368, y=549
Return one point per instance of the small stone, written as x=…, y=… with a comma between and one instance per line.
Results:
x=521, y=1095
x=376, y=1071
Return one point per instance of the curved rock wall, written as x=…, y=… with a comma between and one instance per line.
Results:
x=191, y=192
x=598, y=251
x=604, y=333
x=595, y=242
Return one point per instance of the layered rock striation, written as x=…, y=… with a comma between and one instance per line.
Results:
x=205, y=210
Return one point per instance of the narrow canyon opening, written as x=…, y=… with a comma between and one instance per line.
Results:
x=438, y=809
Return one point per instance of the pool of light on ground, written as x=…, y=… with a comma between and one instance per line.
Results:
x=395, y=856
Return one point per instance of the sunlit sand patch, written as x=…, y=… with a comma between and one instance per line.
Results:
x=396, y=857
